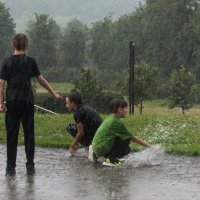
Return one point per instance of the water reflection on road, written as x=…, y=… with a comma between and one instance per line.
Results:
x=60, y=176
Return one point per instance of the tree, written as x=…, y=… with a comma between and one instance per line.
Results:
x=7, y=31
x=44, y=35
x=162, y=27
x=189, y=42
x=73, y=45
x=89, y=88
x=92, y=92
x=128, y=28
x=145, y=83
x=182, y=84
x=101, y=48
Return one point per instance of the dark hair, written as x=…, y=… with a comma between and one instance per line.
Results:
x=116, y=104
x=20, y=42
x=76, y=98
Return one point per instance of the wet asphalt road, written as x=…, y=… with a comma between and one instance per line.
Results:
x=60, y=176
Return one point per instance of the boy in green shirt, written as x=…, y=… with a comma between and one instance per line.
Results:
x=112, y=138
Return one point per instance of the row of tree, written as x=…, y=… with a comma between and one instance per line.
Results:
x=182, y=90
x=165, y=34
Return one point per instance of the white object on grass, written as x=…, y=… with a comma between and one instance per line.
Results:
x=46, y=110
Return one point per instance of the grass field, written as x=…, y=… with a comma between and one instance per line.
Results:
x=58, y=87
x=157, y=125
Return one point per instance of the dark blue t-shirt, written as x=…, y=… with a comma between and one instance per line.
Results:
x=18, y=70
x=90, y=120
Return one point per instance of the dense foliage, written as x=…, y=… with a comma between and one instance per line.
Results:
x=165, y=35
x=7, y=31
x=182, y=89
x=44, y=35
x=92, y=92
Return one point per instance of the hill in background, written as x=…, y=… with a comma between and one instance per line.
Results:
x=63, y=11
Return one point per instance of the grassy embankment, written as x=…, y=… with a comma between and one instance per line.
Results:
x=177, y=133
x=59, y=87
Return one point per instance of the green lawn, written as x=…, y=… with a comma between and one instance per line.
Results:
x=58, y=87
x=177, y=133
x=157, y=125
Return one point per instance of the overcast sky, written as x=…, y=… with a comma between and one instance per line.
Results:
x=63, y=11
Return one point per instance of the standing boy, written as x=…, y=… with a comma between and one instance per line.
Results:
x=112, y=138
x=87, y=122
x=17, y=70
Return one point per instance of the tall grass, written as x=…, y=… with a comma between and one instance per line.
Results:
x=177, y=133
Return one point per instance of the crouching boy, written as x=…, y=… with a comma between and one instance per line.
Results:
x=112, y=138
x=87, y=121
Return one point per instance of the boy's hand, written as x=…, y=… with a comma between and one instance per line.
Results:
x=2, y=107
x=73, y=149
x=57, y=97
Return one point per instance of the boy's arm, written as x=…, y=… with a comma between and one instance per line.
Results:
x=2, y=85
x=139, y=141
x=79, y=135
x=43, y=82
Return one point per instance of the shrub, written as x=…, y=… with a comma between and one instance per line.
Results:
x=46, y=101
x=92, y=92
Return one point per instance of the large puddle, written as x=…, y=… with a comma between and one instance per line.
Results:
x=59, y=176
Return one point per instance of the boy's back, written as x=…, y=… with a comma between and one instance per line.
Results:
x=17, y=70
x=89, y=117
x=111, y=128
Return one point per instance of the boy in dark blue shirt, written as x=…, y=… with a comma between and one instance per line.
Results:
x=17, y=70
x=87, y=122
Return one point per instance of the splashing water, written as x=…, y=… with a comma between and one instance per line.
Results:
x=82, y=153
x=146, y=158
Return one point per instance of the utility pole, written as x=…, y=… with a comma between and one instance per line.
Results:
x=131, y=77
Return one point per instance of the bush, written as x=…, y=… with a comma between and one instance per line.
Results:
x=59, y=75
x=101, y=104
x=46, y=101
x=91, y=91
x=105, y=100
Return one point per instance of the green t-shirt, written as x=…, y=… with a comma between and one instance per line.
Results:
x=111, y=128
